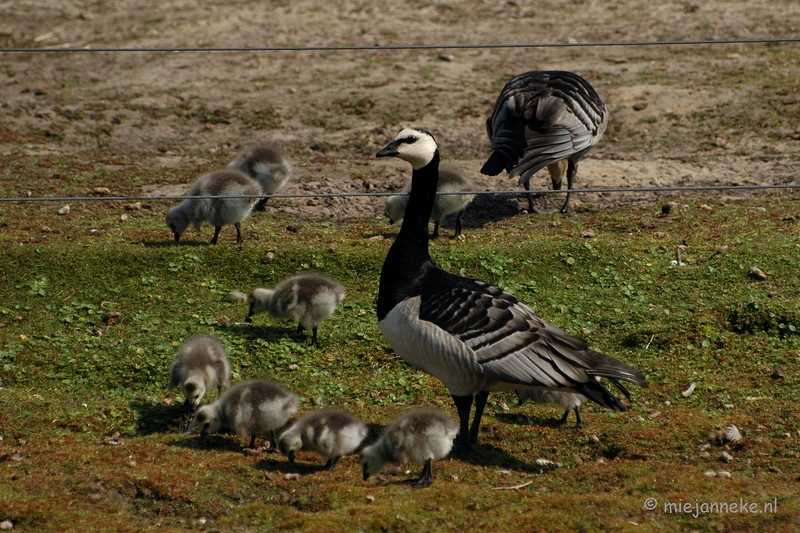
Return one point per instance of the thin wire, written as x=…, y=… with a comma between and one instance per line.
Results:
x=400, y=46
x=518, y=193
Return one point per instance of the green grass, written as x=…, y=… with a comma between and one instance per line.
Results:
x=91, y=322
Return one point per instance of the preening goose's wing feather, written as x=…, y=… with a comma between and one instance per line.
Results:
x=541, y=118
x=512, y=344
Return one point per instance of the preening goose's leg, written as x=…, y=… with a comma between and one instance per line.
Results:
x=572, y=171
x=238, y=227
x=216, y=234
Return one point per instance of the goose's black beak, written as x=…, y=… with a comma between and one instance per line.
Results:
x=390, y=150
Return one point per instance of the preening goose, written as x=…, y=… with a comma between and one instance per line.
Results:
x=471, y=335
x=544, y=119
x=308, y=299
x=450, y=181
x=265, y=164
x=329, y=432
x=216, y=211
x=201, y=363
x=567, y=400
x=419, y=436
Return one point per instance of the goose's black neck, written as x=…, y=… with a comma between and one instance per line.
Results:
x=408, y=261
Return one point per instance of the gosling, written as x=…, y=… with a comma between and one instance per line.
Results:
x=216, y=211
x=267, y=165
x=418, y=436
x=307, y=299
x=249, y=408
x=201, y=363
x=568, y=400
x=450, y=181
x=328, y=432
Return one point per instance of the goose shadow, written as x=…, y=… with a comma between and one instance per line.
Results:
x=223, y=440
x=520, y=419
x=487, y=208
x=156, y=417
x=268, y=333
x=185, y=243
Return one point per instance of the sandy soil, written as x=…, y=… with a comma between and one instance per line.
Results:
x=680, y=115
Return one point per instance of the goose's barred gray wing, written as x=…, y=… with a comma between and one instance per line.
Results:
x=541, y=118
x=512, y=344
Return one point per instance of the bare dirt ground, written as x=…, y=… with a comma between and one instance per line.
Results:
x=680, y=115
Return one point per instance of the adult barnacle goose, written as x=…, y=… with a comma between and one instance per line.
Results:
x=473, y=336
x=541, y=119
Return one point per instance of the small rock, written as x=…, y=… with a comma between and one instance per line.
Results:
x=504, y=406
x=102, y=191
x=270, y=257
x=710, y=473
x=45, y=229
x=726, y=457
x=704, y=446
x=761, y=209
x=705, y=455
x=223, y=321
x=780, y=373
x=544, y=462
x=294, y=366
x=595, y=438
x=724, y=474
x=601, y=461
x=291, y=477
x=688, y=392
x=453, y=478
x=756, y=273
x=136, y=206
x=447, y=57
x=123, y=217
x=705, y=207
x=292, y=229
x=775, y=470
x=639, y=106
x=653, y=415
x=721, y=249
x=252, y=451
x=64, y=210
x=587, y=234
x=6, y=524
x=18, y=457
x=370, y=498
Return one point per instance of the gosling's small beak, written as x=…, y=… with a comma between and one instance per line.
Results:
x=291, y=456
x=390, y=150
x=177, y=237
x=366, y=474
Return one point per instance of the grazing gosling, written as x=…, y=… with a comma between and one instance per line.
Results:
x=450, y=180
x=216, y=211
x=568, y=400
x=201, y=363
x=307, y=299
x=267, y=165
x=328, y=432
x=418, y=436
x=249, y=408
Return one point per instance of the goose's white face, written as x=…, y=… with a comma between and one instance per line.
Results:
x=414, y=145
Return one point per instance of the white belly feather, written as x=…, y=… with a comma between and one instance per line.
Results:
x=429, y=348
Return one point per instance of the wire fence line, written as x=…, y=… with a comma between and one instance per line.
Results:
x=513, y=193
x=693, y=42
